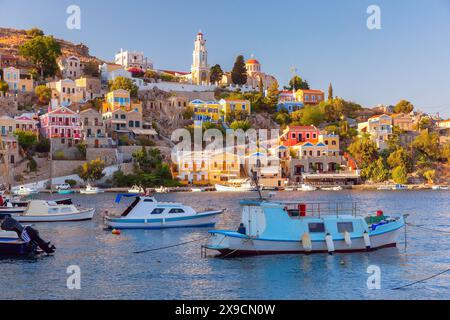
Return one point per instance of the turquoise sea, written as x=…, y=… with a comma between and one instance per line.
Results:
x=110, y=269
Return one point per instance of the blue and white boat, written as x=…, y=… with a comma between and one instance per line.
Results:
x=269, y=227
x=11, y=245
x=147, y=213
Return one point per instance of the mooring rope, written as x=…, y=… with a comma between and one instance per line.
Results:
x=172, y=246
x=429, y=229
x=423, y=280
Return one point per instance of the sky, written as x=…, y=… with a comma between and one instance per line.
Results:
x=325, y=40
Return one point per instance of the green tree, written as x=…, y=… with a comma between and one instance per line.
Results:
x=399, y=158
x=427, y=144
x=43, y=146
x=91, y=171
x=4, y=87
x=424, y=124
x=375, y=171
x=400, y=174
x=297, y=83
x=34, y=32
x=282, y=117
x=43, y=93
x=26, y=139
x=364, y=151
x=32, y=165
x=239, y=72
x=42, y=51
x=188, y=113
x=330, y=92
x=82, y=148
x=309, y=115
x=241, y=124
x=272, y=95
x=125, y=84
x=430, y=175
x=215, y=74
x=403, y=106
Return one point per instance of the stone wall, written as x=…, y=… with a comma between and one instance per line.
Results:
x=65, y=167
x=109, y=155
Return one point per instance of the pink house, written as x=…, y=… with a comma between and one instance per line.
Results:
x=62, y=124
x=297, y=134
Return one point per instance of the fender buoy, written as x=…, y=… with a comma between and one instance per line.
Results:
x=116, y=232
x=306, y=242
x=347, y=238
x=367, y=240
x=330, y=243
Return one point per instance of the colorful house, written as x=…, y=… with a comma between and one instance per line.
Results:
x=205, y=110
x=71, y=67
x=61, y=125
x=228, y=106
x=379, y=128
x=309, y=97
x=66, y=92
x=120, y=99
x=18, y=81
x=290, y=106
x=293, y=135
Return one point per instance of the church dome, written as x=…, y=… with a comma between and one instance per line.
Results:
x=252, y=61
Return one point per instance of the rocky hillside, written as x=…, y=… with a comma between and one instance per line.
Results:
x=11, y=39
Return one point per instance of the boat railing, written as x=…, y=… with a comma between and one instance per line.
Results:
x=318, y=209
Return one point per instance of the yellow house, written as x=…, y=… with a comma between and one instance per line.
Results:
x=192, y=168
x=310, y=97
x=331, y=141
x=223, y=166
x=228, y=106
x=205, y=110
x=120, y=99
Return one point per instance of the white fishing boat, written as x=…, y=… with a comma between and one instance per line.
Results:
x=440, y=187
x=307, y=187
x=51, y=211
x=337, y=188
x=269, y=227
x=15, y=206
x=91, y=190
x=24, y=191
x=197, y=190
x=289, y=189
x=162, y=190
x=384, y=188
x=136, y=190
x=147, y=213
x=236, y=186
x=399, y=187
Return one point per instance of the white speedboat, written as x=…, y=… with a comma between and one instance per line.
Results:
x=383, y=188
x=51, y=211
x=277, y=227
x=307, y=187
x=136, y=190
x=197, y=190
x=399, y=187
x=91, y=190
x=147, y=213
x=337, y=188
x=15, y=206
x=289, y=189
x=236, y=186
x=24, y=191
x=440, y=188
x=162, y=190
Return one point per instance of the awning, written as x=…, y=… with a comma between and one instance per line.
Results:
x=145, y=132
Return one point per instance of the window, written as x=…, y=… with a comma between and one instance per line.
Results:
x=345, y=226
x=130, y=124
x=176, y=211
x=157, y=211
x=316, y=227
x=148, y=200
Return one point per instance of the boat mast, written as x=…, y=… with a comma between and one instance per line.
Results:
x=6, y=161
x=51, y=165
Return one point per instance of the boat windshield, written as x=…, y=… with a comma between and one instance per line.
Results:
x=131, y=207
x=317, y=209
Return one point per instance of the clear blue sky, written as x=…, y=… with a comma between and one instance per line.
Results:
x=327, y=41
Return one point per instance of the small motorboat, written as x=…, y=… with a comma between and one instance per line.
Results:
x=51, y=211
x=24, y=191
x=337, y=188
x=136, y=190
x=307, y=187
x=12, y=245
x=289, y=189
x=91, y=190
x=15, y=206
x=147, y=213
x=399, y=187
x=440, y=188
x=384, y=188
x=269, y=227
x=197, y=190
x=66, y=191
x=236, y=186
x=162, y=190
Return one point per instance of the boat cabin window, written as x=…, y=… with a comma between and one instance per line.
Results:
x=176, y=211
x=345, y=226
x=148, y=200
x=66, y=210
x=157, y=211
x=316, y=227
x=53, y=210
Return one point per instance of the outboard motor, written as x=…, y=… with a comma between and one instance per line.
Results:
x=26, y=234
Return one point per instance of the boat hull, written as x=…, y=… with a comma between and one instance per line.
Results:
x=233, y=244
x=80, y=216
x=10, y=245
x=207, y=219
x=222, y=188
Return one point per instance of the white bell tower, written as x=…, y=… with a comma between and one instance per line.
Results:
x=200, y=67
